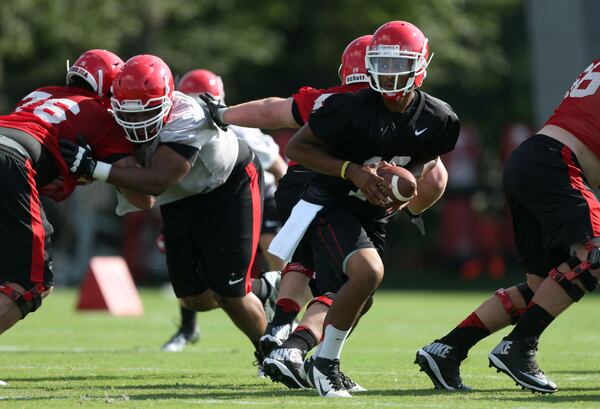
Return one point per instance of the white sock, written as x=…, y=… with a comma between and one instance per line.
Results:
x=333, y=342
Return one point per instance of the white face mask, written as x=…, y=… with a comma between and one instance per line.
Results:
x=141, y=122
x=393, y=70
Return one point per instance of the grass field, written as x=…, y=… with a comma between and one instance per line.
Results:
x=58, y=358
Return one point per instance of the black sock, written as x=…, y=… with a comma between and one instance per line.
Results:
x=464, y=338
x=188, y=320
x=285, y=312
x=466, y=334
x=303, y=339
x=532, y=323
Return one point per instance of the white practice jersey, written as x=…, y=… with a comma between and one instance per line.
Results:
x=266, y=150
x=190, y=124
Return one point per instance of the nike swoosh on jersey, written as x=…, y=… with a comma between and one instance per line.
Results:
x=419, y=132
x=232, y=282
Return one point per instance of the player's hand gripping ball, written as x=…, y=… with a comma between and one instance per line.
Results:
x=403, y=184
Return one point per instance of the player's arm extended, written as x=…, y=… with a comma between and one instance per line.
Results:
x=310, y=151
x=166, y=169
x=267, y=113
x=139, y=200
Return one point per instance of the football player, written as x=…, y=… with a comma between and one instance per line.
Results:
x=206, y=182
x=30, y=164
x=344, y=141
x=201, y=81
x=548, y=182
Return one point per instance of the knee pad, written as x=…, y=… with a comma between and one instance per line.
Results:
x=514, y=312
x=578, y=270
x=326, y=299
x=27, y=302
x=299, y=268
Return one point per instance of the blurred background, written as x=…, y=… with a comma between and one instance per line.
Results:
x=502, y=64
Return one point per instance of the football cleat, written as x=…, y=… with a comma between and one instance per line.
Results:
x=2, y=383
x=180, y=340
x=441, y=362
x=274, y=337
x=285, y=365
x=348, y=383
x=516, y=358
x=273, y=280
x=326, y=377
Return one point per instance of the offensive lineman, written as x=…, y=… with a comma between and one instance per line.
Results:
x=548, y=182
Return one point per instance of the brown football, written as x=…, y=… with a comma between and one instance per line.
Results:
x=403, y=183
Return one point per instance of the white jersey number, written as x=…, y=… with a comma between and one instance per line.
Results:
x=51, y=110
x=590, y=80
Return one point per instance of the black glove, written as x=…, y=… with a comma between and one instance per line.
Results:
x=213, y=104
x=415, y=219
x=78, y=157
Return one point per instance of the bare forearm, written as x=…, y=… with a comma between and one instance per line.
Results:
x=148, y=181
x=268, y=113
x=314, y=157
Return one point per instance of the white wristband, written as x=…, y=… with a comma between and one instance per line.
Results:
x=101, y=171
x=221, y=115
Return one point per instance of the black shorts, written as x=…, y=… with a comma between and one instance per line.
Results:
x=551, y=203
x=334, y=235
x=25, y=250
x=270, y=221
x=211, y=239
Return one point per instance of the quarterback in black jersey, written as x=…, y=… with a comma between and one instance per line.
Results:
x=345, y=141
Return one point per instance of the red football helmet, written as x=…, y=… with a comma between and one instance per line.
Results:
x=98, y=68
x=352, y=69
x=202, y=81
x=397, y=59
x=142, y=97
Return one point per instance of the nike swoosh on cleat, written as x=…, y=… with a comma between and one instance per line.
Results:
x=322, y=390
x=419, y=132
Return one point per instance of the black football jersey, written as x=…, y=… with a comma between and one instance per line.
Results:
x=358, y=127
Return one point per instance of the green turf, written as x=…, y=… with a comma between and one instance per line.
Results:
x=58, y=358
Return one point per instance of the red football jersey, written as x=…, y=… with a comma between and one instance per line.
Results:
x=52, y=112
x=307, y=99
x=579, y=111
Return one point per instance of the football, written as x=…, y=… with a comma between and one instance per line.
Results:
x=403, y=183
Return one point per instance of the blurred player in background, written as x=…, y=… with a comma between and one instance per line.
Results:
x=548, y=181
x=344, y=140
x=31, y=165
x=202, y=81
x=206, y=182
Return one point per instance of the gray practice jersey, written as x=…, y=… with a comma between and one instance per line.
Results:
x=190, y=124
x=266, y=150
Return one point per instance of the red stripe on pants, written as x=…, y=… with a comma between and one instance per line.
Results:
x=256, y=218
x=36, y=274
x=577, y=184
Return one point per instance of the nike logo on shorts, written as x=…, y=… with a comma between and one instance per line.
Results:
x=232, y=282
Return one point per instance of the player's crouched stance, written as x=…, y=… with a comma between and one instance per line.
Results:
x=206, y=181
x=556, y=220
